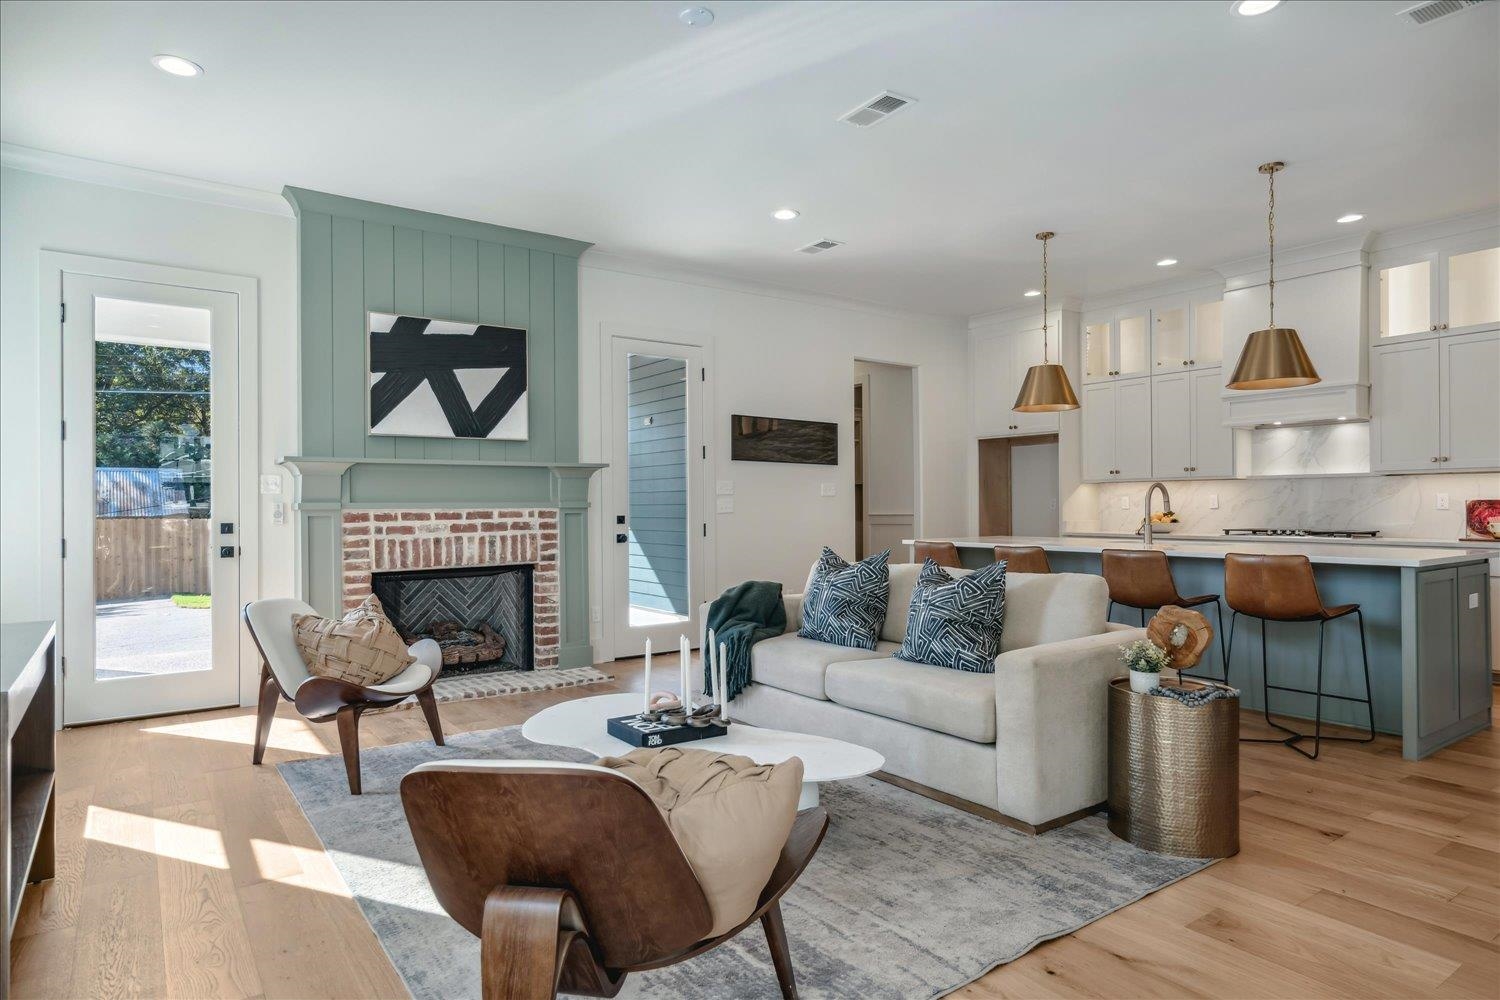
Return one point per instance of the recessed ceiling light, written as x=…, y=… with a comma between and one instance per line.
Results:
x=1351, y=217
x=176, y=65
x=1251, y=8
x=785, y=214
x=696, y=17
x=1166, y=262
x=1032, y=293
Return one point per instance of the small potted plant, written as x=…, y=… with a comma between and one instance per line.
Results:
x=1145, y=660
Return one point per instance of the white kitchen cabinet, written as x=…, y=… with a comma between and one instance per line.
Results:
x=1453, y=288
x=1469, y=401
x=1404, y=407
x=1187, y=335
x=1434, y=403
x=1188, y=436
x=1001, y=359
x=1117, y=345
x=1117, y=430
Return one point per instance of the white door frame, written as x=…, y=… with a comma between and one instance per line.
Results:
x=919, y=453
x=704, y=584
x=53, y=265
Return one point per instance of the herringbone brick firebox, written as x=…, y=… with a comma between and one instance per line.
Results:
x=381, y=541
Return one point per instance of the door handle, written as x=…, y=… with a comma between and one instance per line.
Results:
x=621, y=537
x=226, y=552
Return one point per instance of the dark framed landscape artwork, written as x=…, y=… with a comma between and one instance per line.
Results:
x=777, y=439
x=441, y=379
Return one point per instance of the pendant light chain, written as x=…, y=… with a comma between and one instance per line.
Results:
x=1271, y=236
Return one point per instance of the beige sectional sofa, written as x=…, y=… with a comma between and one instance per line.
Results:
x=1027, y=741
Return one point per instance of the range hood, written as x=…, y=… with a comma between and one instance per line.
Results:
x=1323, y=293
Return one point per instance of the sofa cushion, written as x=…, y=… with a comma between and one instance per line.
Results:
x=795, y=664
x=845, y=603
x=955, y=702
x=956, y=623
x=1052, y=607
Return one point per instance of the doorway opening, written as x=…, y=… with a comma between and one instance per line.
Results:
x=886, y=498
x=1018, y=485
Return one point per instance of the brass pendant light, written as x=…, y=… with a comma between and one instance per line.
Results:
x=1046, y=388
x=1273, y=358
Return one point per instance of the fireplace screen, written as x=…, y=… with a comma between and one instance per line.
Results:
x=479, y=615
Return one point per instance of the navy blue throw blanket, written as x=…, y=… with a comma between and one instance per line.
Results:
x=740, y=617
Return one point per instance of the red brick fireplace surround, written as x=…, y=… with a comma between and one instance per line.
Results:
x=378, y=541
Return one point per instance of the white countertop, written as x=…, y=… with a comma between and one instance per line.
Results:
x=1333, y=552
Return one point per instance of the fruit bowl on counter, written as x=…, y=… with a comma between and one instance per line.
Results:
x=1162, y=523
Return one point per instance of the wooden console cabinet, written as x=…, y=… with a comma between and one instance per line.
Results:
x=28, y=705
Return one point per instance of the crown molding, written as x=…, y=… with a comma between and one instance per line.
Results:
x=116, y=175
x=1012, y=314
x=1429, y=232
x=642, y=267
x=1188, y=285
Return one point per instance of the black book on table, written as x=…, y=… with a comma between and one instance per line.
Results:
x=640, y=731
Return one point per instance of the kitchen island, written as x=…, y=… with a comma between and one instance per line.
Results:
x=1427, y=623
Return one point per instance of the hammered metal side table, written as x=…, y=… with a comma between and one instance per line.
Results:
x=1174, y=773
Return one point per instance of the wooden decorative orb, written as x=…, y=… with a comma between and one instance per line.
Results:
x=1182, y=633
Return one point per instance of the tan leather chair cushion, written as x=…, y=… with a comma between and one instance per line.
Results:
x=362, y=648
x=730, y=815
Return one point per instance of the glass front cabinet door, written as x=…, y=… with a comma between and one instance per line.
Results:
x=1452, y=289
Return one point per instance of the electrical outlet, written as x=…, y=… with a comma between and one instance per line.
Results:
x=1213, y=501
x=1124, y=503
x=270, y=485
x=1442, y=502
x=725, y=488
x=278, y=512
x=594, y=615
x=829, y=490
x=725, y=505
x=1473, y=602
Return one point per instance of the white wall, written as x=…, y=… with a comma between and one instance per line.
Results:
x=40, y=212
x=890, y=457
x=773, y=352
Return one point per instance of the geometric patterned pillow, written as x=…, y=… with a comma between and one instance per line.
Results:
x=845, y=604
x=362, y=648
x=956, y=623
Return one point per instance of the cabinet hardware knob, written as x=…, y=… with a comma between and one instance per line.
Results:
x=1442, y=326
x=1432, y=328
x=1445, y=458
x=1192, y=362
x=1435, y=458
x=1184, y=362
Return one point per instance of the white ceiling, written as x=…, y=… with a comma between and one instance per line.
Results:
x=1132, y=129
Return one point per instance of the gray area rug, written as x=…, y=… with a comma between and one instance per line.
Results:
x=906, y=897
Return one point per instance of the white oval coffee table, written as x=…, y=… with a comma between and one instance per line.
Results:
x=580, y=724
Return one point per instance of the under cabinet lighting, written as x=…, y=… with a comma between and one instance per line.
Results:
x=176, y=65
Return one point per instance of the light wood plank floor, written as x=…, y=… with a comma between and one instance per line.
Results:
x=186, y=872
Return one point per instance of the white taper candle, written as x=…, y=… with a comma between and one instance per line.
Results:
x=708, y=656
x=646, y=679
x=723, y=681
x=686, y=658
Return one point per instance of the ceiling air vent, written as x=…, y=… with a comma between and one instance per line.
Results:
x=819, y=246
x=1426, y=13
x=876, y=110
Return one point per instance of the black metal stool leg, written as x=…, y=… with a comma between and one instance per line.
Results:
x=1319, y=694
x=1265, y=691
x=1317, y=734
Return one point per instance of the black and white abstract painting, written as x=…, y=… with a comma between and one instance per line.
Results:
x=435, y=378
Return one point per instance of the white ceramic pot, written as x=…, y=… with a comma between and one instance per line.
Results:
x=1141, y=681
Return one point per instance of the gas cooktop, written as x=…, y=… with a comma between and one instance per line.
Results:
x=1303, y=532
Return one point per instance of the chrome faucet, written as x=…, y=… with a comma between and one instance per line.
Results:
x=1166, y=500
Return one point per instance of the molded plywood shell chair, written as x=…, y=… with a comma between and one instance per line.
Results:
x=324, y=699
x=942, y=553
x=571, y=878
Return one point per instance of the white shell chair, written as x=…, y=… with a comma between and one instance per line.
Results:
x=323, y=699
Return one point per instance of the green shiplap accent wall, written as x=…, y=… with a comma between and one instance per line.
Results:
x=358, y=256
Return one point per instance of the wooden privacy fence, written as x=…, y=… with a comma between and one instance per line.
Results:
x=150, y=556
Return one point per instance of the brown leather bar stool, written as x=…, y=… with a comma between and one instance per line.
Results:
x=1142, y=579
x=1282, y=589
x=942, y=553
x=1023, y=558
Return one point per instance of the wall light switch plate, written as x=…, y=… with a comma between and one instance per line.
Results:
x=725, y=488
x=1124, y=503
x=278, y=513
x=1442, y=502
x=725, y=505
x=1213, y=501
x=270, y=485
x=829, y=490
x=1473, y=601
x=594, y=615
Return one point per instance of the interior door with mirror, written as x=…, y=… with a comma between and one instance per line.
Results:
x=151, y=528
x=654, y=515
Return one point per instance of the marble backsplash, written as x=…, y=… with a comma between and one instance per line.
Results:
x=1396, y=506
